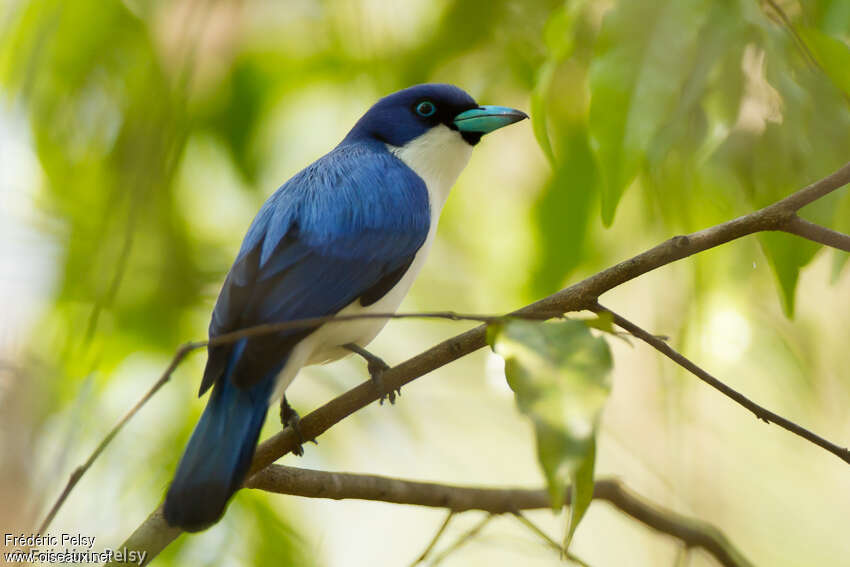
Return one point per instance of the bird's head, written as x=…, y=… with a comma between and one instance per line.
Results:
x=406, y=115
x=432, y=129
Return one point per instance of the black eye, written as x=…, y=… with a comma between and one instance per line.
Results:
x=426, y=108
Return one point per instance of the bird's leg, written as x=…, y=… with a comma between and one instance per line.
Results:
x=290, y=418
x=376, y=367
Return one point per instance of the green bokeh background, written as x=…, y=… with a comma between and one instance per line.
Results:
x=139, y=138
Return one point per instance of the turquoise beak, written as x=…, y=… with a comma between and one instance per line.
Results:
x=485, y=119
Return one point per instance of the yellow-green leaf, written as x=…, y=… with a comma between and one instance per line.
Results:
x=559, y=373
x=581, y=493
x=832, y=54
x=641, y=61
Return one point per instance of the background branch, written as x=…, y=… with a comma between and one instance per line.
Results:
x=154, y=533
x=320, y=484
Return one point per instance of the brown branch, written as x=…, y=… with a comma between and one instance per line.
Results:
x=760, y=412
x=340, y=486
x=154, y=534
x=817, y=233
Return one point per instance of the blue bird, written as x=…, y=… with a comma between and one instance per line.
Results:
x=346, y=235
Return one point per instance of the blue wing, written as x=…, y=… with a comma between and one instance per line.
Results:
x=346, y=227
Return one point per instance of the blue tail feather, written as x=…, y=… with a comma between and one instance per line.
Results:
x=219, y=452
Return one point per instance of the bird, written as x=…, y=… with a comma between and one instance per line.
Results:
x=346, y=235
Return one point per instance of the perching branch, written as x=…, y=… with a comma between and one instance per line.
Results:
x=339, y=486
x=154, y=534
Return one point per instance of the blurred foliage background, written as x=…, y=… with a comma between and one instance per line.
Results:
x=139, y=138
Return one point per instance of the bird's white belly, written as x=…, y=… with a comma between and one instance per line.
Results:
x=362, y=331
x=326, y=343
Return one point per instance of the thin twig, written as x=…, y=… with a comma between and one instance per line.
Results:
x=760, y=412
x=817, y=233
x=434, y=540
x=81, y=470
x=462, y=540
x=523, y=519
x=333, y=319
x=540, y=533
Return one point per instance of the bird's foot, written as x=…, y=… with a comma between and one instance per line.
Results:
x=290, y=418
x=376, y=367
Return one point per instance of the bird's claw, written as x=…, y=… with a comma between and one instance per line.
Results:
x=376, y=368
x=290, y=418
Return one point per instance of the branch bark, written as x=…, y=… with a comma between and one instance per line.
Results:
x=817, y=233
x=339, y=486
x=760, y=412
x=154, y=534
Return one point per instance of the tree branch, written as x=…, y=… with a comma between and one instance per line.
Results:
x=817, y=233
x=760, y=412
x=339, y=486
x=154, y=534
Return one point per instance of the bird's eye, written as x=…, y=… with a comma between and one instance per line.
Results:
x=426, y=108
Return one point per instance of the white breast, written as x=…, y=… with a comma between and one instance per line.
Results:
x=438, y=157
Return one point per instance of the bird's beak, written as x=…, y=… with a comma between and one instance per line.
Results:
x=485, y=119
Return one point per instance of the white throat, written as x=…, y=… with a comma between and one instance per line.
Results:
x=437, y=156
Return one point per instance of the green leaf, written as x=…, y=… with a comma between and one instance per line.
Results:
x=832, y=54
x=787, y=254
x=538, y=108
x=563, y=212
x=558, y=35
x=641, y=61
x=603, y=322
x=581, y=491
x=559, y=373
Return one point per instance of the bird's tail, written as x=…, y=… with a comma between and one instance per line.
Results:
x=219, y=452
